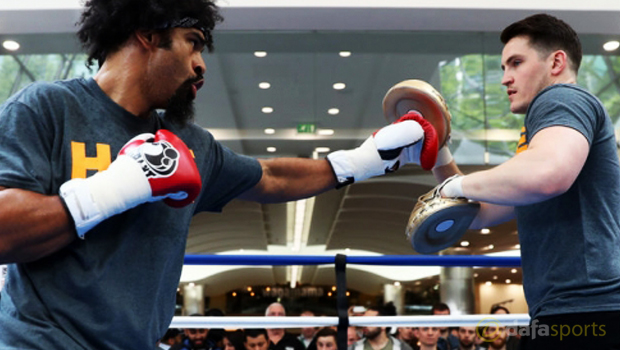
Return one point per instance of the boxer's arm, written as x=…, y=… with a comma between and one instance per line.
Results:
x=548, y=168
x=286, y=179
x=32, y=225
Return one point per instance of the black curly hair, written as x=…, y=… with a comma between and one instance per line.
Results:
x=105, y=25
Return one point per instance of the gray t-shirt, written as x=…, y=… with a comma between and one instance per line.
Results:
x=116, y=289
x=570, y=244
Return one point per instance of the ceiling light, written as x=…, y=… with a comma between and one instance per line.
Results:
x=490, y=246
x=271, y=149
x=325, y=132
x=611, y=45
x=294, y=274
x=267, y=110
x=322, y=149
x=485, y=231
x=396, y=284
x=513, y=270
x=11, y=45
x=345, y=53
x=192, y=284
x=264, y=85
x=333, y=111
x=347, y=250
x=334, y=288
x=270, y=131
x=260, y=54
x=488, y=283
x=508, y=281
x=465, y=244
x=234, y=294
x=339, y=86
x=517, y=246
x=475, y=275
x=249, y=289
x=348, y=293
x=495, y=277
x=252, y=294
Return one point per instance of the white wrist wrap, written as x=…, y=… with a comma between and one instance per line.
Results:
x=444, y=156
x=122, y=186
x=454, y=187
x=357, y=164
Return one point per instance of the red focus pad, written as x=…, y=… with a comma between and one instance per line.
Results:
x=169, y=167
x=430, y=147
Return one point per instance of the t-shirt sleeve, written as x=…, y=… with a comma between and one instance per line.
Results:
x=24, y=148
x=564, y=107
x=230, y=175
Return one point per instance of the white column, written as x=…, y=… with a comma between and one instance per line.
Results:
x=457, y=285
x=193, y=299
x=396, y=295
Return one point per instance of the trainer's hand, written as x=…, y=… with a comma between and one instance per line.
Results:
x=410, y=139
x=148, y=168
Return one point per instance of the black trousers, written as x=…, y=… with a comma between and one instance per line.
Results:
x=580, y=331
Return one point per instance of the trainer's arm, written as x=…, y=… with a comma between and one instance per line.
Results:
x=286, y=179
x=548, y=168
x=32, y=225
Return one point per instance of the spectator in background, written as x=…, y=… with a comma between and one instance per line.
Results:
x=512, y=338
x=279, y=339
x=467, y=338
x=307, y=333
x=407, y=335
x=195, y=339
x=215, y=337
x=444, y=309
x=377, y=338
x=429, y=339
x=233, y=340
x=255, y=339
x=353, y=335
x=172, y=337
x=326, y=339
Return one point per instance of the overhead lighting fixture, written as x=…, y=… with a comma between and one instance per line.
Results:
x=490, y=247
x=271, y=149
x=234, y=294
x=475, y=275
x=294, y=275
x=348, y=293
x=325, y=132
x=495, y=277
x=333, y=111
x=11, y=45
x=347, y=250
x=339, y=86
x=264, y=85
x=322, y=149
x=517, y=246
x=513, y=270
x=396, y=284
x=508, y=281
x=249, y=289
x=611, y=45
x=267, y=110
x=260, y=54
x=465, y=244
x=270, y=131
x=485, y=231
x=488, y=283
x=345, y=53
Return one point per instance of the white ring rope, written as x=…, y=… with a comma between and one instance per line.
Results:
x=232, y=322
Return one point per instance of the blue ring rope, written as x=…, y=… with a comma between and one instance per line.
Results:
x=387, y=260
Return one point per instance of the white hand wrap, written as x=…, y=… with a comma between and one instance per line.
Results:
x=122, y=186
x=453, y=187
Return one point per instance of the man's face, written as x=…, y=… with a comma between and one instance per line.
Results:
x=352, y=336
x=308, y=332
x=526, y=73
x=467, y=336
x=228, y=345
x=441, y=313
x=405, y=333
x=197, y=337
x=258, y=343
x=429, y=336
x=326, y=343
x=276, y=310
x=175, y=74
x=372, y=332
x=497, y=337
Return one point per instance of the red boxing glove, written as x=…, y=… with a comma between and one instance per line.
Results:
x=430, y=145
x=148, y=168
x=168, y=165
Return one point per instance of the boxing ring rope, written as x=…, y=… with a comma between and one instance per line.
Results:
x=360, y=321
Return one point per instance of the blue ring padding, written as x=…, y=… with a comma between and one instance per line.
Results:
x=389, y=260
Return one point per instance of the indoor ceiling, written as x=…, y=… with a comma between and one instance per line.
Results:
x=387, y=45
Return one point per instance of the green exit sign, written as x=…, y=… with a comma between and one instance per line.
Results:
x=306, y=128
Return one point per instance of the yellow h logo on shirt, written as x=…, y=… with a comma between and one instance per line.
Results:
x=81, y=163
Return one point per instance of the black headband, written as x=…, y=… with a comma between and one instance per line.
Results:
x=186, y=22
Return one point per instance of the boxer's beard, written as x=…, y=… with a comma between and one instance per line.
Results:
x=180, y=109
